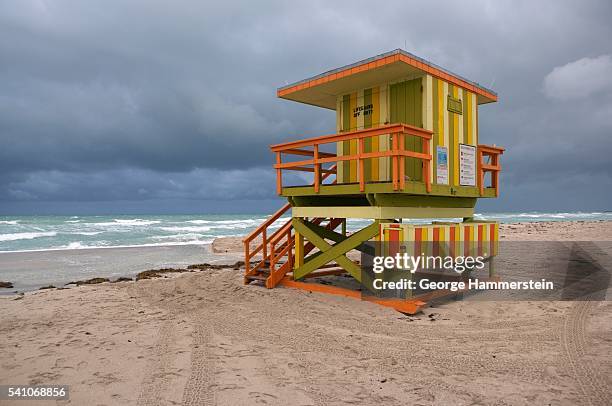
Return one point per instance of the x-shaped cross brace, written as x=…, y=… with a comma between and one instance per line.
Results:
x=328, y=253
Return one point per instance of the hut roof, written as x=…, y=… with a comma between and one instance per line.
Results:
x=322, y=90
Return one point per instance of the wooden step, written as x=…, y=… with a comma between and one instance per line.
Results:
x=259, y=277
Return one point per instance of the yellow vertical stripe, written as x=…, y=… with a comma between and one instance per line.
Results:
x=455, y=124
x=428, y=115
x=375, y=107
x=375, y=123
x=409, y=233
x=467, y=99
x=474, y=119
x=473, y=241
x=360, y=101
x=339, y=145
x=441, y=113
x=384, y=140
x=460, y=117
x=353, y=143
x=445, y=114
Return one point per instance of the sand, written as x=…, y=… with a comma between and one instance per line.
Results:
x=204, y=338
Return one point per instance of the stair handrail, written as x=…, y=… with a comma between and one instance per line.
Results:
x=263, y=231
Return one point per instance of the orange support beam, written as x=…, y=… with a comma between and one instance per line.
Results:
x=410, y=306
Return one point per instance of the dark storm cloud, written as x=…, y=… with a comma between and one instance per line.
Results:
x=160, y=100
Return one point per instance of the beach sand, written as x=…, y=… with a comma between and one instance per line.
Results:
x=204, y=338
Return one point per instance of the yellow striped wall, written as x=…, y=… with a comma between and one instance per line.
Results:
x=449, y=129
x=376, y=169
x=471, y=239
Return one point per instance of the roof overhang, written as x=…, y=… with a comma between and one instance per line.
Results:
x=322, y=90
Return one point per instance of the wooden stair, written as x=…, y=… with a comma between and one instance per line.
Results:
x=276, y=248
x=277, y=251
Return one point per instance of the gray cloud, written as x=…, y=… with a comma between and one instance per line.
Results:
x=580, y=79
x=156, y=100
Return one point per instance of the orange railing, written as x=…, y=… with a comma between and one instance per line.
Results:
x=398, y=154
x=272, y=246
x=262, y=232
x=488, y=161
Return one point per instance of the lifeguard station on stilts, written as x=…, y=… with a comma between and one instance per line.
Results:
x=406, y=146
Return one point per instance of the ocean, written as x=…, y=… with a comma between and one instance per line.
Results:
x=45, y=233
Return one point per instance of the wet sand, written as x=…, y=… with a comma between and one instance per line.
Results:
x=204, y=338
x=31, y=270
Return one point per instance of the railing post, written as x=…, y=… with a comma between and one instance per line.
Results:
x=495, y=174
x=317, y=168
x=272, y=257
x=247, y=257
x=264, y=242
x=479, y=171
x=394, y=169
x=361, y=165
x=279, y=174
x=402, y=162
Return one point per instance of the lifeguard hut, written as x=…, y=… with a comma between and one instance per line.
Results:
x=406, y=146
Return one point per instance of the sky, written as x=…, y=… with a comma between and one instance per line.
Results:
x=169, y=107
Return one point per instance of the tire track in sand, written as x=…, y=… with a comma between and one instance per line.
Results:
x=155, y=382
x=200, y=387
x=574, y=342
x=157, y=374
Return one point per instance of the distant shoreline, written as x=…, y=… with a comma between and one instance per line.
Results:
x=28, y=271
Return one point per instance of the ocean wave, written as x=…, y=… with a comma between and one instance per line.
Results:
x=245, y=221
x=199, y=229
x=126, y=223
x=9, y=222
x=79, y=246
x=87, y=232
x=181, y=237
x=26, y=236
x=190, y=229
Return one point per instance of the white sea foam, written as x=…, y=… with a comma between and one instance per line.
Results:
x=126, y=223
x=87, y=232
x=218, y=226
x=180, y=237
x=26, y=236
x=190, y=229
x=136, y=222
x=9, y=222
x=79, y=246
x=246, y=221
